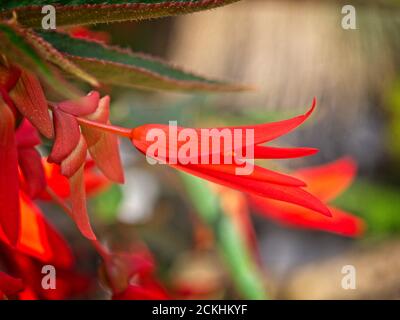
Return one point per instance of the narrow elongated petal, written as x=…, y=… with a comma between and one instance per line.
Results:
x=341, y=222
x=67, y=135
x=294, y=195
x=270, y=131
x=267, y=152
x=9, y=187
x=30, y=100
x=262, y=133
x=78, y=202
x=329, y=180
x=258, y=174
x=255, y=172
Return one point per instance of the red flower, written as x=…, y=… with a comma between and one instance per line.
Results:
x=72, y=142
x=20, y=96
x=38, y=242
x=261, y=181
x=69, y=283
x=326, y=182
x=38, y=239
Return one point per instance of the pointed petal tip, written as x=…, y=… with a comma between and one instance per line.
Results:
x=312, y=108
x=310, y=151
x=326, y=212
x=348, y=164
x=298, y=183
x=90, y=236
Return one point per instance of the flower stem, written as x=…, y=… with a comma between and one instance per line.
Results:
x=120, y=131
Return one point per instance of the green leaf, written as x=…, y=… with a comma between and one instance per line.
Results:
x=116, y=66
x=99, y=11
x=47, y=51
x=17, y=46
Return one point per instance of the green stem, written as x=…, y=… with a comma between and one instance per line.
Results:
x=246, y=273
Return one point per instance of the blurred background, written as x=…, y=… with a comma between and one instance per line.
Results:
x=290, y=51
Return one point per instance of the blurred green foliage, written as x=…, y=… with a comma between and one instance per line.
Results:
x=107, y=203
x=393, y=105
x=246, y=274
x=378, y=204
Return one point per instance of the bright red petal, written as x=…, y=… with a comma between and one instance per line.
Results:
x=329, y=180
x=294, y=195
x=262, y=133
x=9, y=186
x=95, y=182
x=55, y=181
x=39, y=239
x=341, y=222
x=270, y=131
x=68, y=282
x=258, y=174
x=266, y=152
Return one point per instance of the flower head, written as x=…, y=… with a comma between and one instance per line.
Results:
x=260, y=181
